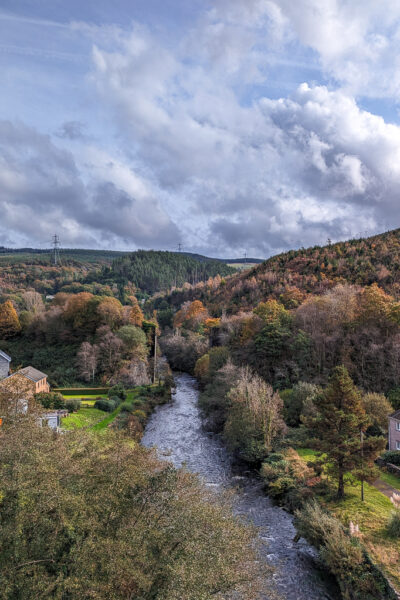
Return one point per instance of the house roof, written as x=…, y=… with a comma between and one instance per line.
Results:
x=4, y=355
x=395, y=415
x=32, y=373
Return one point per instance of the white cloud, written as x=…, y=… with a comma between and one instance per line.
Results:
x=42, y=191
x=314, y=160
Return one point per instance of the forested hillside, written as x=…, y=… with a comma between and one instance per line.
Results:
x=154, y=270
x=103, y=272
x=292, y=276
x=301, y=357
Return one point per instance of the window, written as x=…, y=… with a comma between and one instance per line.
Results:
x=397, y=445
x=398, y=425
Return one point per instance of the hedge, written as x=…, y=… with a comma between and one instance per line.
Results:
x=83, y=391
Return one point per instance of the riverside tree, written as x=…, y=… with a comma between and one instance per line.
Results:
x=99, y=517
x=254, y=420
x=336, y=429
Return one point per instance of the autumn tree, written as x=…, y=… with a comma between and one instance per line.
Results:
x=337, y=428
x=110, y=349
x=191, y=315
x=87, y=359
x=9, y=321
x=255, y=417
x=33, y=302
x=152, y=531
x=135, y=314
x=110, y=312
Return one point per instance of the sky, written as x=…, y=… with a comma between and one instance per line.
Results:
x=226, y=126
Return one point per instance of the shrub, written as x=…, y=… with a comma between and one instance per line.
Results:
x=126, y=407
x=118, y=391
x=392, y=456
x=393, y=526
x=140, y=415
x=116, y=399
x=52, y=400
x=72, y=404
x=345, y=557
x=281, y=486
x=105, y=404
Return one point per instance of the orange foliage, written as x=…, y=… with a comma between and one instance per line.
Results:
x=9, y=321
x=135, y=314
x=191, y=315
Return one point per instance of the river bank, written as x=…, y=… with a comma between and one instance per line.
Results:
x=177, y=431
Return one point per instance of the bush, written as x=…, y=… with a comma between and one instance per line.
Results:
x=344, y=556
x=118, y=391
x=116, y=399
x=50, y=400
x=105, y=404
x=140, y=415
x=391, y=456
x=72, y=404
x=393, y=526
x=126, y=407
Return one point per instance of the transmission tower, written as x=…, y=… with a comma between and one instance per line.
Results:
x=180, y=247
x=55, y=240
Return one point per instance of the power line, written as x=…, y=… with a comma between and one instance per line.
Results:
x=55, y=240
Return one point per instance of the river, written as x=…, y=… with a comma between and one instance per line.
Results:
x=177, y=431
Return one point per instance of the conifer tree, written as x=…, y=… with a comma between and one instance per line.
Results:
x=337, y=428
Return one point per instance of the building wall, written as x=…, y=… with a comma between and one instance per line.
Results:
x=4, y=367
x=394, y=435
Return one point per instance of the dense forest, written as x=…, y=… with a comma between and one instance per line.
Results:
x=103, y=272
x=292, y=276
x=153, y=271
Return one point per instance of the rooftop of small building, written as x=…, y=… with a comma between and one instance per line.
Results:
x=5, y=355
x=32, y=373
x=395, y=415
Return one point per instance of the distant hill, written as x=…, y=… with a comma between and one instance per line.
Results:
x=155, y=270
x=228, y=261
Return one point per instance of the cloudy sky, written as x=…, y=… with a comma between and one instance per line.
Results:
x=225, y=125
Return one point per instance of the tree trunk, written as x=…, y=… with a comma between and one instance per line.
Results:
x=340, y=492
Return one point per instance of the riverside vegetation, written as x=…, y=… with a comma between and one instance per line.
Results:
x=91, y=513
x=285, y=368
x=297, y=346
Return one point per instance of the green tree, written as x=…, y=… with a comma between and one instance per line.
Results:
x=337, y=428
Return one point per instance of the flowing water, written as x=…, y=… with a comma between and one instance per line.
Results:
x=176, y=429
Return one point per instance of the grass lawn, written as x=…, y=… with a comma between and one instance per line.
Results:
x=84, y=417
x=131, y=398
x=371, y=515
x=109, y=419
x=390, y=479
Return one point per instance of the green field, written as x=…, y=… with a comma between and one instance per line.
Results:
x=84, y=417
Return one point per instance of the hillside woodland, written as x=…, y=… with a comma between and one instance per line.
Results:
x=79, y=337
x=297, y=315
x=303, y=352
x=103, y=273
